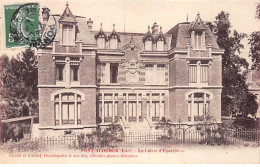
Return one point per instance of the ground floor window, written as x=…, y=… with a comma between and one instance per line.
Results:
x=155, y=106
x=107, y=107
x=198, y=106
x=131, y=106
x=67, y=108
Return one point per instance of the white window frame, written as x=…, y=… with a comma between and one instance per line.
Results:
x=199, y=71
x=67, y=30
x=113, y=43
x=148, y=45
x=58, y=108
x=155, y=74
x=160, y=45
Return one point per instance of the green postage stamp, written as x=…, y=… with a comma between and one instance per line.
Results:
x=23, y=27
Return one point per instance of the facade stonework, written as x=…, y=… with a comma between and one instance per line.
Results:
x=89, y=78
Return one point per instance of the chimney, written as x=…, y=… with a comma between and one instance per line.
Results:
x=90, y=23
x=45, y=15
x=155, y=28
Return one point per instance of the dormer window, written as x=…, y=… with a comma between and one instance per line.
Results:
x=148, y=45
x=68, y=27
x=114, y=39
x=160, y=41
x=113, y=43
x=101, y=43
x=148, y=40
x=101, y=38
x=67, y=34
x=197, y=30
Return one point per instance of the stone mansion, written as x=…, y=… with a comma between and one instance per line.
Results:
x=89, y=78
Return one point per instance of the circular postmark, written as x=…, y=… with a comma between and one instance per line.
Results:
x=26, y=28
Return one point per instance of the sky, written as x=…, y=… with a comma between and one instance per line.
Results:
x=137, y=15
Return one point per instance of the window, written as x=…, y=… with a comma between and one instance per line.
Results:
x=67, y=34
x=67, y=108
x=155, y=106
x=107, y=107
x=113, y=73
x=160, y=73
x=113, y=43
x=198, y=40
x=198, y=106
x=60, y=73
x=109, y=73
x=160, y=45
x=101, y=43
x=155, y=74
x=148, y=45
x=67, y=70
x=148, y=73
x=74, y=73
x=198, y=71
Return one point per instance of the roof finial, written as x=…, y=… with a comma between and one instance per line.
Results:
x=187, y=19
x=113, y=26
x=101, y=25
x=198, y=14
x=148, y=28
x=67, y=4
x=161, y=28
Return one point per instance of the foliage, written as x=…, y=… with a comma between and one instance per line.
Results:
x=254, y=41
x=19, y=85
x=22, y=146
x=101, y=138
x=12, y=132
x=211, y=132
x=235, y=92
x=245, y=123
x=165, y=125
x=257, y=13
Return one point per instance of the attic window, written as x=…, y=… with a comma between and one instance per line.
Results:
x=101, y=43
x=160, y=45
x=113, y=43
x=148, y=45
x=67, y=34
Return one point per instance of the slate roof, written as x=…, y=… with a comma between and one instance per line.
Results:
x=148, y=36
x=101, y=33
x=114, y=34
x=83, y=33
x=160, y=36
x=197, y=24
x=181, y=36
x=176, y=37
x=125, y=38
x=67, y=16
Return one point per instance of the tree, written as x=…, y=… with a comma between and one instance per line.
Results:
x=234, y=70
x=254, y=41
x=19, y=85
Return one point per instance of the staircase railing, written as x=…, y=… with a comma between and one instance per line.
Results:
x=124, y=124
x=150, y=123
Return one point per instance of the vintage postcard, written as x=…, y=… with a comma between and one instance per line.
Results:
x=127, y=81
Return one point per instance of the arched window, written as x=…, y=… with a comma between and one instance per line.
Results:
x=67, y=108
x=198, y=106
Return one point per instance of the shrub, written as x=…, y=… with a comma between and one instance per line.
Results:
x=101, y=138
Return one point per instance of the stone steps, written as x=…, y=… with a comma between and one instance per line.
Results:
x=139, y=127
